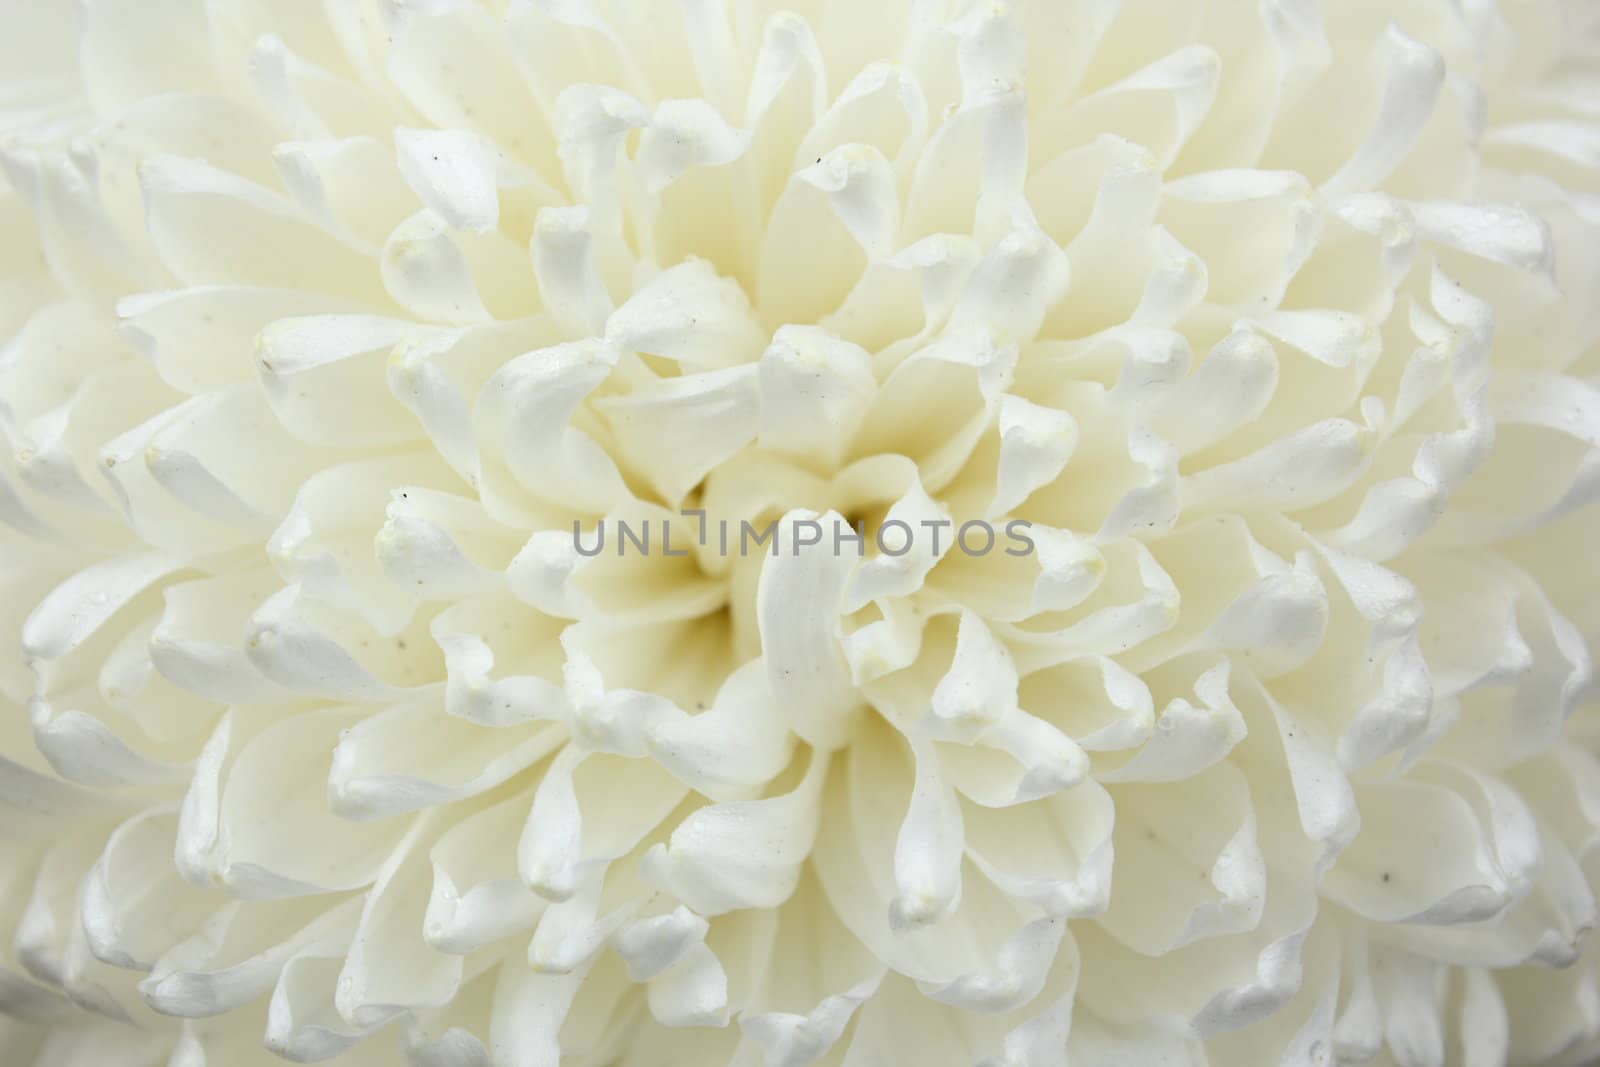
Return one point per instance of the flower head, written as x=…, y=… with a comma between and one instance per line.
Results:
x=569, y=532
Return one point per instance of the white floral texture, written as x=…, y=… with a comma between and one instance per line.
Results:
x=327, y=320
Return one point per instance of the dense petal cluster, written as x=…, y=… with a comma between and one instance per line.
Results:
x=338, y=332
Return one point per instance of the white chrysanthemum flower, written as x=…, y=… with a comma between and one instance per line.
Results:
x=340, y=331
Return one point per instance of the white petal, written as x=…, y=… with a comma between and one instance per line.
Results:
x=709, y=862
x=799, y=602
